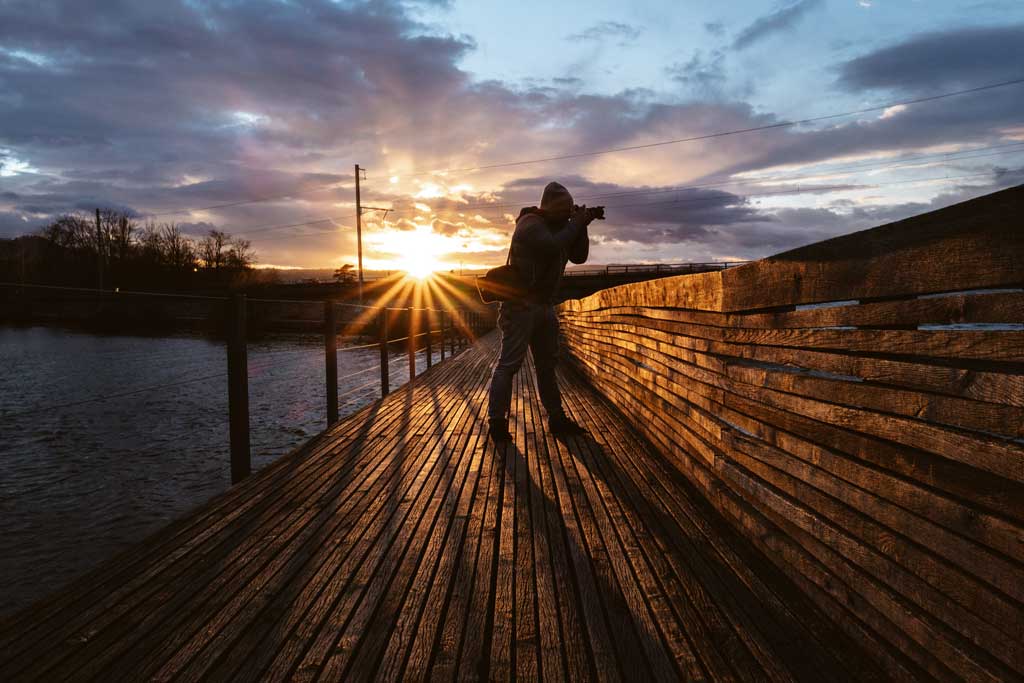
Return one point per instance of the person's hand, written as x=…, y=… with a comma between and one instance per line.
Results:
x=580, y=216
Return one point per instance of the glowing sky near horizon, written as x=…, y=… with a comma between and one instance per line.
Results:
x=164, y=106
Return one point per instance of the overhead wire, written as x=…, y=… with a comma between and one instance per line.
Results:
x=719, y=134
x=1009, y=148
x=599, y=152
x=810, y=189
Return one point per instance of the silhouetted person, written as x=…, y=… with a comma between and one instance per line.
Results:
x=544, y=239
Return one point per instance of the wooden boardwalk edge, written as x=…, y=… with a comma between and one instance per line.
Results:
x=401, y=545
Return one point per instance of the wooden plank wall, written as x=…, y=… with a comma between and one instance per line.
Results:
x=856, y=408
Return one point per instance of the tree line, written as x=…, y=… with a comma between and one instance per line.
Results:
x=112, y=248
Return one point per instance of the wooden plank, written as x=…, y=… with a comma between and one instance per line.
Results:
x=579, y=660
x=968, y=483
x=922, y=375
x=435, y=649
x=598, y=639
x=625, y=587
x=982, y=307
x=366, y=582
x=495, y=658
x=551, y=636
x=97, y=618
x=990, y=566
x=336, y=516
x=408, y=547
x=970, y=245
x=724, y=463
x=804, y=634
x=974, y=449
x=967, y=246
x=834, y=598
x=416, y=573
x=526, y=664
x=305, y=588
x=955, y=345
x=600, y=583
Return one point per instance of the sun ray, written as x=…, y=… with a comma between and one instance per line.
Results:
x=462, y=298
x=358, y=324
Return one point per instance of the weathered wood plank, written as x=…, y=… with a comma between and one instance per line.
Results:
x=989, y=566
x=974, y=449
x=405, y=546
x=982, y=307
x=967, y=246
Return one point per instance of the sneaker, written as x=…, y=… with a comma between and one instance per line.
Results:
x=498, y=431
x=563, y=426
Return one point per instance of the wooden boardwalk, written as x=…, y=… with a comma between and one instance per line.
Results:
x=402, y=545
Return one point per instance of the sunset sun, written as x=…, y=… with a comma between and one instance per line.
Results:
x=419, y=265
x=418, y=251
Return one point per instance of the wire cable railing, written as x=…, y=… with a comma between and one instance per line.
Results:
x=447, y=329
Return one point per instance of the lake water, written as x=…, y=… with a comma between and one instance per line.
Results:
x=82, y=479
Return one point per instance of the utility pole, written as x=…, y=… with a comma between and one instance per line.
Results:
x=359, y=233
x=99, y=251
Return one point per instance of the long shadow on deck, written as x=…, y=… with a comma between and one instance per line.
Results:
x=406, y=547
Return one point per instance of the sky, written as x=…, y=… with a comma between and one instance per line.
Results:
x=250, y=116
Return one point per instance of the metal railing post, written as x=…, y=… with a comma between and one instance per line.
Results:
x=444, y=317
x=331, y=360
x=238, y=390
x=382, y=329
x=430, y=337
x=412, y=343
x=455, y=330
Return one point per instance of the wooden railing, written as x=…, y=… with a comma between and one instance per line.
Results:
x=856, y=408
x=645, y=268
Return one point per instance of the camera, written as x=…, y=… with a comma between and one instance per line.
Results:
x=593, y=212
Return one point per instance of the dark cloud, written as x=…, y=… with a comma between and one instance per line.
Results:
x=703, y=75
x=921, y=65
x=946, y=59
x=160, y=106
x=606, y=31
x=715, y=28
x=780, y=20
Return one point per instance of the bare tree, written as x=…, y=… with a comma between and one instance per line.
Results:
x=121, y=236
x=177, y=249
x=211, y=249
x=150, y=243
x=240, y=254
x=72, y=231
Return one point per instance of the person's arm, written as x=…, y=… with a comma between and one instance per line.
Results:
x=580, y=249
x=541, y=240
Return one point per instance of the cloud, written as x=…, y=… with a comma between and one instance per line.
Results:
x=182, y=104
x=782, y=19
x=944, y=59
x=715, y=28
x=702, y=75
x=605, y=31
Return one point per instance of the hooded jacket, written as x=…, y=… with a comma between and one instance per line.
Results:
x=540, y=252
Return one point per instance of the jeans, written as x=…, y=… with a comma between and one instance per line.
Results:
x=526, y=325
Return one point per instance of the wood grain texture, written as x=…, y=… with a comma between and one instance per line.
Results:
x=402, y=545
x=873, y=448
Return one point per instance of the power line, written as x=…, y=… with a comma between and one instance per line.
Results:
x=807, y=190
x=777, y=178
x=228, y=205
x=872, y=166
x=720, y=134
x=649, y=145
